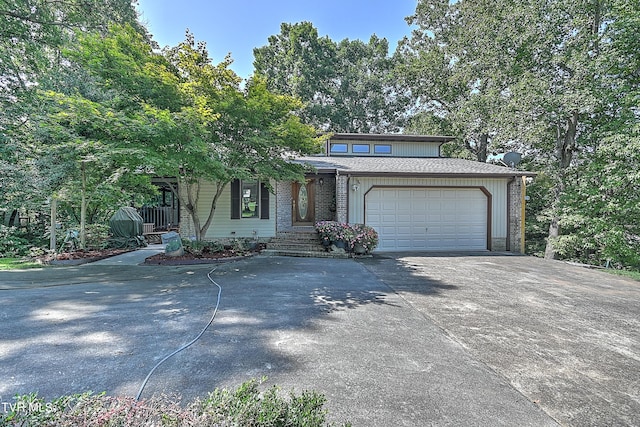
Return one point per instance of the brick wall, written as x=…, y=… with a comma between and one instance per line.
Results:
x=515, y=208
x=341, y=198
x=283, y=206
x=325, y=198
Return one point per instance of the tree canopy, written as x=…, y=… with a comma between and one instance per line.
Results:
x=107, y=110
x=90, y=107
x=189, y=118
x=346, y=86
x=550, y=79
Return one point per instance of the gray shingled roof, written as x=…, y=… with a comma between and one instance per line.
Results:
x=438, y=166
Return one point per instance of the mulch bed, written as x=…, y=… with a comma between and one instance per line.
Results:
x=202, y=258
x=80, y=256
x=87, y=256
x=186, y=259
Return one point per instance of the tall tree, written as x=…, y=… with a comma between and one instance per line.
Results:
x=527, y=75
x=559, y=77
x=599, y=207
x=457, y=66
x=192, y=120
x=32, y=34
x=365, y=98
x=300, y=63
x=346, y=86
x=254, y=134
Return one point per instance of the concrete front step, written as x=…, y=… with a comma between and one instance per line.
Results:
x=297, y=237
x=308, y=254
x=301, y=244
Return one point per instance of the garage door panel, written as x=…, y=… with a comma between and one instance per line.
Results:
x=428, y=218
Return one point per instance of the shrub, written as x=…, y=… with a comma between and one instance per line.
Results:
x=98, y=236
x=334, y=231
x=245, y=406
x=364, y=236
x=13, y=242
x=351, y=234
x=199, y=247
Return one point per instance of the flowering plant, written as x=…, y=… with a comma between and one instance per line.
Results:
x=351, y=234
x=333, y=231
x=364, y=236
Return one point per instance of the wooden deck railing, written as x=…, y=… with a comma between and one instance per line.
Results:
x=162, y=218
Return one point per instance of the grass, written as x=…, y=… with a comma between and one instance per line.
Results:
x=17, y=264
x=635, y=275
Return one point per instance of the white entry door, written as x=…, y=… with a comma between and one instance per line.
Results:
x=431, y=219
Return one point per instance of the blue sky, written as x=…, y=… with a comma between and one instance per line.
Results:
x=241, y=25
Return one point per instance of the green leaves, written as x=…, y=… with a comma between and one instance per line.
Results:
x=346, y=86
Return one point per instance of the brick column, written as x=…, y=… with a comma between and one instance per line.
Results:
x=283, y=206
x=516, y=220
x=341, y=198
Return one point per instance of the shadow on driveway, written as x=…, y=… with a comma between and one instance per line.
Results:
x=565, y=336
x=321, y=324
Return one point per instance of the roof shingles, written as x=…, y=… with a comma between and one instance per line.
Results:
x=428, y=166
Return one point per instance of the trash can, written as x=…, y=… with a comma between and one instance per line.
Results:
x=173, y=244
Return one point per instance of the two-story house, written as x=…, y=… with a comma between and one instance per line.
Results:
x=416, y=199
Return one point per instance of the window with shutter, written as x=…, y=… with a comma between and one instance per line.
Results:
x=249, y=199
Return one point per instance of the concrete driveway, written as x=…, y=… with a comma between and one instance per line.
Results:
x=566, y=337
x=391, y=340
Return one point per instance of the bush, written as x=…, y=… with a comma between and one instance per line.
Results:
x=246, y=406
x=13, y=242
x=98, y=236
x=351, y=234
x=199, y=247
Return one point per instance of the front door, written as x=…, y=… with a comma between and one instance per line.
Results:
x=304, y=209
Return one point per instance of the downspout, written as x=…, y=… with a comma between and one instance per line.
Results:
x=523, y=195
x=336, y=196
x=348, y=196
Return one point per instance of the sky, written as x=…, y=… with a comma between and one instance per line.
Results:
x=238, y=26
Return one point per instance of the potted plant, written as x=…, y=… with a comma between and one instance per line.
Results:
x=333, y=233
x=358, y=238
x=364, y=240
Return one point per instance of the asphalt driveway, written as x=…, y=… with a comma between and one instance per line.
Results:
x=402, y=340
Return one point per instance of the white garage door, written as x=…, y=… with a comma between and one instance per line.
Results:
x=431, y=219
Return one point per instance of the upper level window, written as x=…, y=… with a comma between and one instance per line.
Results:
x=382, y=149
x=361, y=148
x=338, y=148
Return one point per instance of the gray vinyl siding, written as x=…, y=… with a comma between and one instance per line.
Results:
x=398, y=149
x=225, y=227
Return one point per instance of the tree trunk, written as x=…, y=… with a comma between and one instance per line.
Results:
x=190, y=203
x=554, y=232
x=565, y=147
x=52, y=229
x=480, y=148
x=83, y=208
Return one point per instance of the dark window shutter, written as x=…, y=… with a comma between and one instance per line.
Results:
x=264, y=201
x=235, y=199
